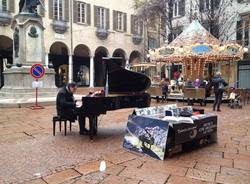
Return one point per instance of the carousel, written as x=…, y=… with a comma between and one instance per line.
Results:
x=194, y=48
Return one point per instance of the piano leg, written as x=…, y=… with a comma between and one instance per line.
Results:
x=93, y=126
x=81, y=120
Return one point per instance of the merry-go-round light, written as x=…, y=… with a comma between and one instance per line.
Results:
x=245, y=49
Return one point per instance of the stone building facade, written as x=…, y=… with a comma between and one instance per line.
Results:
x=77, y=35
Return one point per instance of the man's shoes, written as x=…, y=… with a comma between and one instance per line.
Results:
x=85, y=132
x=218, y=110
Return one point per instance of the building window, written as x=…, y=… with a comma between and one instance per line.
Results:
x=3, y=5
x=82, y=12
x=205, y=5
x=120, y=21
x=179, y=8
x=176, y=32
x=137, y=27
x=242, y=32
x=101, y=18
x=58, y=9
x=176, y=9
x=152, y=43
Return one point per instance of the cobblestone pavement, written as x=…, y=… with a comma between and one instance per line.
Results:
x=29, y=153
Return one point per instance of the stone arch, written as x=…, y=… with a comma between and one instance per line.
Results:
x=135, y=57
x=6, y=55
x=120, y=53
x=81, y=65
x=59, y=58
x=99, y=65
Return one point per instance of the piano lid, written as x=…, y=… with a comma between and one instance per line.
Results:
x=121, y=80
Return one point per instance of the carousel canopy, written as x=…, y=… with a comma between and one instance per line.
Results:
x=194, y=34
x=196, y=43
x=146, y=65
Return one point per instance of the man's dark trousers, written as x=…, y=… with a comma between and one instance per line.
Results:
x=218, y=99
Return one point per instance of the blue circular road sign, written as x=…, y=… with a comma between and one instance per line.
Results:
x=37, y=71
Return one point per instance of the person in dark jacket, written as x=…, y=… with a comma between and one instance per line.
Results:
x=218, y=84
x=164, y=88
x=66, y=105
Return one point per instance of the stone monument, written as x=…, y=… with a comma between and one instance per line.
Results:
x=28, y=49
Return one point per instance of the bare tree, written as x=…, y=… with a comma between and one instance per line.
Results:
x=218, y=16
x=152, y=10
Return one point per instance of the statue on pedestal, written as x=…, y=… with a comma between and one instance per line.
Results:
x=29, y=6
x=16, y=42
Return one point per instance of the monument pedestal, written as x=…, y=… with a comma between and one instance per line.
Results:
x=28, y=49
x=18, y=84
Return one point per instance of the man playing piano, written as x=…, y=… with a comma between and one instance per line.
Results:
x=66, y=106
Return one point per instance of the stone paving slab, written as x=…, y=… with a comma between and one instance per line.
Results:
x=30, y=153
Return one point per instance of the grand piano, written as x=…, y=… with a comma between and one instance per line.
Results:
x=123, y=89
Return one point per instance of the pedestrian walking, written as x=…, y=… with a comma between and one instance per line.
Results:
x=164, y=88
x=219, y=84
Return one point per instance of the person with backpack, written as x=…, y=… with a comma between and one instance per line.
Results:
x=219, y=84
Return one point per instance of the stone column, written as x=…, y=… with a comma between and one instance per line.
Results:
x=46, y=60
x=70, y=68
x=127, y=61
x=92, y=72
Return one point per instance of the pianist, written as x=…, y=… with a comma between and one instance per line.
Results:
x=66, y=105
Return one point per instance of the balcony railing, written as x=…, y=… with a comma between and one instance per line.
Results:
x=102, y=33
x=5, y=18
x=137, y=39
x=59, y=26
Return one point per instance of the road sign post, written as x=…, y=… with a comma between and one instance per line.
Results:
x=37, y=71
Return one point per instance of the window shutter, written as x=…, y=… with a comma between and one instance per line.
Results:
x=75, y=8
x=182, y=8
x=88, y=14
x=132, y=21
x=171, y=9
x=125, y=22
x=107, y=18
x=12, y=6
x=51, y=9
x=95, y=16
x=41, y=9
x=66, y=10
x=201, y=6
x=239, y=31
x=246, y=33
x=216, y=31
x=207, y=4
x=216, y=4
x=114, y=20
x=141, y=27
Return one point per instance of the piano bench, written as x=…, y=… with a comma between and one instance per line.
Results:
x=59, y=119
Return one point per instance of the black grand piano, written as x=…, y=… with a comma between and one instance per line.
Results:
x=123, y=89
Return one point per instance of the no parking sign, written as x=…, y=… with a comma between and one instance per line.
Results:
x=37, y=71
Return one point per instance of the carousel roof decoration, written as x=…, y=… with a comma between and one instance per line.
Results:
x=146, y=65
x=196, y=43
